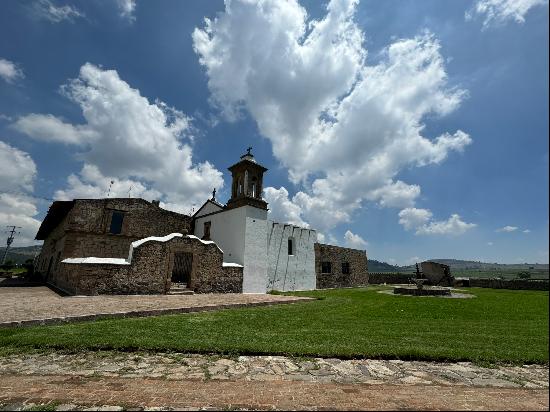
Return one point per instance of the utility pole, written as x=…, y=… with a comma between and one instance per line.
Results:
x=11, y=236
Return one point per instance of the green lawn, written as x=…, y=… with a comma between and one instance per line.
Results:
x=496, y=326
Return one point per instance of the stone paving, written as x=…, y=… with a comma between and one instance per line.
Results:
x=178, y=381
x=21, y=306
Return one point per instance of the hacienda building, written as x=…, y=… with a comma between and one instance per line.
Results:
x=132, y=246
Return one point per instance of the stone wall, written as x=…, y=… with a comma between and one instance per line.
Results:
x=336, y=255
x=84, y=231
x=390, y=278
x=150, y=269
x=509, y=284
x=52, y=251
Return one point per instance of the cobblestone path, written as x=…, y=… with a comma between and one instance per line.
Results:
x=107, y=380
x=40, y=305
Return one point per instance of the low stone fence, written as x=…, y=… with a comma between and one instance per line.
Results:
x=148, y=269
x=508, y=284
x=389, y=277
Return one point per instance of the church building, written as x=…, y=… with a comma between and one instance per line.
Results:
x=132, y=246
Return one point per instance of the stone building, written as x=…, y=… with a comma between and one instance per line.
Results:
x=96, y=246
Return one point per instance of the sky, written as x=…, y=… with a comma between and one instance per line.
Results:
x=411, y=129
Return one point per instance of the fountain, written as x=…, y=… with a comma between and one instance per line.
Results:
x=420, y=289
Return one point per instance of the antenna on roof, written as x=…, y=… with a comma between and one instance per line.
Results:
x=109, y=191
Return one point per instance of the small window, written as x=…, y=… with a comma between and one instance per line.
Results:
x=116, y=223
x=326, y=267
x=345, y=268
x=206, y=235
x=290, y=246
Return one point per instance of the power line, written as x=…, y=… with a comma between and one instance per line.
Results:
x=11, y=236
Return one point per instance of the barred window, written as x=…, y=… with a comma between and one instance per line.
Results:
x=326, y=267
x=345, y=268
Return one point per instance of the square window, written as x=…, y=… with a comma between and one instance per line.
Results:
x=116, y=223
x=326, y=267
x=345, y=268
x=290, y=246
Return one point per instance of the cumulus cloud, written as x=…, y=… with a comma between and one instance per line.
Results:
x=17, y=206
x=421, y=221
x=9, y=71
x=50, y=128
x=281, y=208
x=127, y=8
x=46, y=9
x=343, y=128
x=507, y=229
x=412, y=218
x=498, y=12
x=135, y=143
x=354, y=241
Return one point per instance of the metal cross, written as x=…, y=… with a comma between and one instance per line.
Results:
x=248, y=151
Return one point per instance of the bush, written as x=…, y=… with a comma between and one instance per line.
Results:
x=524, y=275
x=8, y=264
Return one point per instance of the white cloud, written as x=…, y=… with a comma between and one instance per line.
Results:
x=321, y=237
x=354, y=241
x=281, y=208
x=420, y=220
x=343, y=128
x=50, y=128
x=395, y=194
x=490, y=243
x=412, y=218
x=9, y=71
x=507, y=229
x=497, y=12
x=127, y=9
x=18, y=170
x=452, y=226
x=17, y=206
x=526, y=231
x=135, y=142
x=46, y=9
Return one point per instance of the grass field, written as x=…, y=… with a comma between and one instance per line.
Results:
x=495, y=326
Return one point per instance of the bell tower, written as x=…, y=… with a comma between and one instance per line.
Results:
x=247, y=183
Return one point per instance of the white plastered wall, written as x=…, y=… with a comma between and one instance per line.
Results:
x=209, y=207
x=241, y=234
x=255, y=251
x=227, y=230
x=290, y=272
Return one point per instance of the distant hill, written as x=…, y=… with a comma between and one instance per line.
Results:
x=21, y=254
x=459, y=265
x=377, y=266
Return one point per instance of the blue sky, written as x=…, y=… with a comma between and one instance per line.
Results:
x=411, y=129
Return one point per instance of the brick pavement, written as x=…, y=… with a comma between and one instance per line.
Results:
x=40, y=305
x=111, y=380
x=130, y=393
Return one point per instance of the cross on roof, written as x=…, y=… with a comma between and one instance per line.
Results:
x=248, y=150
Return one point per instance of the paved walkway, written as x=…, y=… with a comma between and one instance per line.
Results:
x=40, y=305
x=107, y=380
